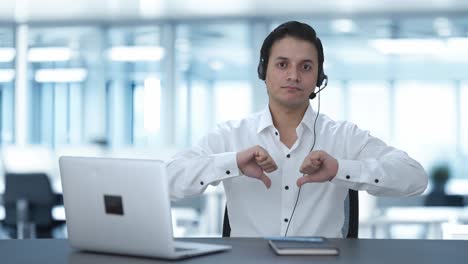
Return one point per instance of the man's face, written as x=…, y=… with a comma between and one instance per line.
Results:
x=292, y=72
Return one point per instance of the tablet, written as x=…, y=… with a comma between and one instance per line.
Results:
x=302, y=246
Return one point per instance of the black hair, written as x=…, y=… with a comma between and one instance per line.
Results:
x=296, y=30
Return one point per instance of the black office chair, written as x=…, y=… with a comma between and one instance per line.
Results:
x=353, y=217
x=32, y=194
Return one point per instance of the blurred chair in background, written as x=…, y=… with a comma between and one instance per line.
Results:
x=28, y=201
x=28, y=196
x=438, y=197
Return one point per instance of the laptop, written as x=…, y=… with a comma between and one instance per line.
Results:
x=122, y=206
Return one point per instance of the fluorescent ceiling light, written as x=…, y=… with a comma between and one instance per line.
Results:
x=7, y=54
x=152, y=8
x=49, y=54
x=7, y=75
x=408, y=46
x=60, y=75
x=438, y=47
x=136, y=53
x=343, y=25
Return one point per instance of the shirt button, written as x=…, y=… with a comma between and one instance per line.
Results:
x=276, y=133
x=201, y=183
x=286, y=220
x=347, y=177
x=286, y=187
x=228, y=172
x=288, y=156
x=376, y=180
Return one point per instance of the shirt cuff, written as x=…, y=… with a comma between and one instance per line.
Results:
x=226, y=165
x=349, y=171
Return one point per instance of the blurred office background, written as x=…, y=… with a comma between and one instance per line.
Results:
x=147, y=78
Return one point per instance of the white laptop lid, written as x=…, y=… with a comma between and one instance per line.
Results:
x=117, y=205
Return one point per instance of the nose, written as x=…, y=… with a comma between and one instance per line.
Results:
x=293, y=75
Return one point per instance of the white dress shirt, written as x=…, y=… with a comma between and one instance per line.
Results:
x=364, y=163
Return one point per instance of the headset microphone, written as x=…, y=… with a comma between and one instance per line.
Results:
x=324, y=84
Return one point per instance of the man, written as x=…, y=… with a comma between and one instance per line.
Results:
x=265, y=159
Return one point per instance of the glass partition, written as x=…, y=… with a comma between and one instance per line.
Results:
x=7, y=81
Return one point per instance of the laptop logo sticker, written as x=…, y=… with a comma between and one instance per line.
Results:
x=113, y=204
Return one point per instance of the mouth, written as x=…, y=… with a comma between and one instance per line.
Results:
x=292, y=88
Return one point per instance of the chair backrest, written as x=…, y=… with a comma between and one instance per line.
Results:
x=353, y=217
x=35, y=188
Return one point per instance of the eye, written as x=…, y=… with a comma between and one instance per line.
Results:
x=307, y=67
x=282, y=65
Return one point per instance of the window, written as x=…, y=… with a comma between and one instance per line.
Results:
x=7, y=79
x=332, y=101
x=213, y=70
x=464, y=120
x=201, y=110
x=135, y=56
x=369, y=108
x=146, y=112
x=232, y=100
x=425, y=116
x=59, y=66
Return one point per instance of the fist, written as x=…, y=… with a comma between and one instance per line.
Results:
x=318, y=166
x=254, y=162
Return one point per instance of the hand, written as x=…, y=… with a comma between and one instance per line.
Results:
x=254, y=161
x=318, y=166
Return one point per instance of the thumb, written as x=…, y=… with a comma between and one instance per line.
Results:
x=301, y=181
x=266, y=180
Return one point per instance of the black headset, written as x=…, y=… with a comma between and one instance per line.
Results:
x=322, y=79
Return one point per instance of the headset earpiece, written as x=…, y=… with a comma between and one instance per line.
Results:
x=261, y=69
x=320, y=78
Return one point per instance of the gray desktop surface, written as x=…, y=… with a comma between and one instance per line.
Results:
x=251, y=250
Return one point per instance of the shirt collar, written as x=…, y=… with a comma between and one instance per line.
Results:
x=309, y=118
x=267, y=121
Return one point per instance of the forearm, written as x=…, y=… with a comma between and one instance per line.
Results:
x=190, y=172
x=393, y=174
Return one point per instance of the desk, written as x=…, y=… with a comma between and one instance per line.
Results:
x=252, y=250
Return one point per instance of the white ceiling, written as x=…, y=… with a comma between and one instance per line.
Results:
x=52, y=10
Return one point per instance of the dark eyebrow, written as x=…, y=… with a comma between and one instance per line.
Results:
x=284, y=58
x=281, y=58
